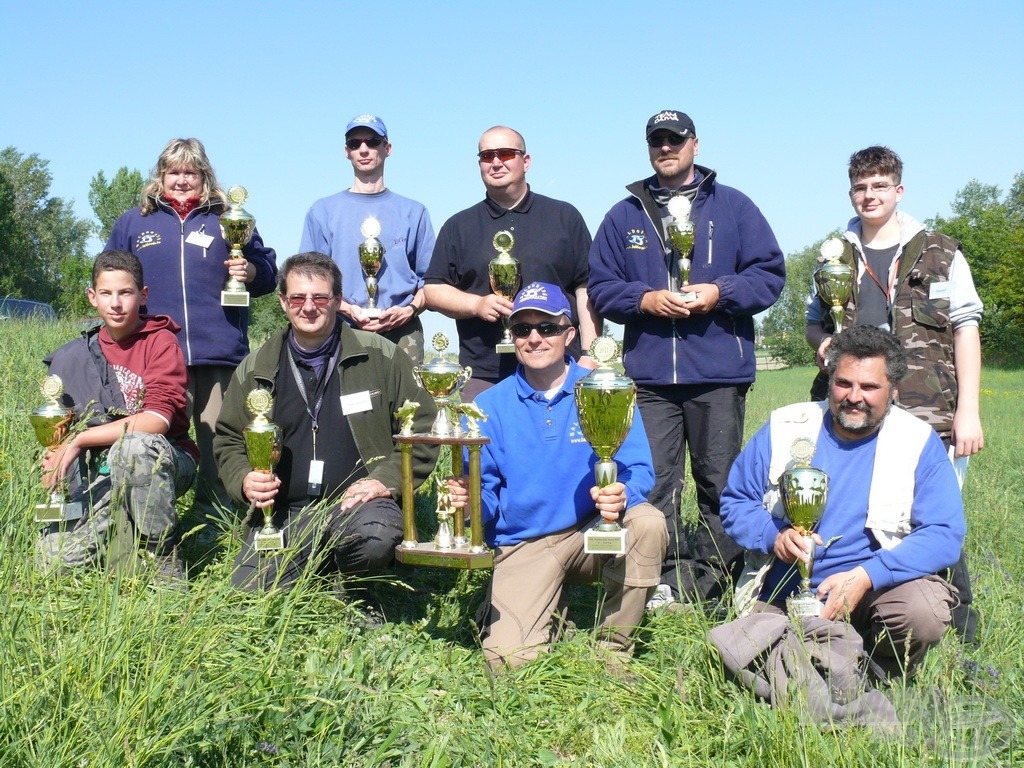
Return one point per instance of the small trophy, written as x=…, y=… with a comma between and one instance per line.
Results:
x=236, y=227
x=605, y=400
x=681, y=235
x=834, y=280
x=444, y=540
x=442, y=379
x=263, y=439
x=50, y=421
x=506, y=279
x=371, y=258
x=804, y=492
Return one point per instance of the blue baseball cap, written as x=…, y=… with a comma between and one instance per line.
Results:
x=542, y=297
x=372, y=122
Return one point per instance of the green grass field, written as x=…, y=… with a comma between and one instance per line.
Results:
x=104, y=670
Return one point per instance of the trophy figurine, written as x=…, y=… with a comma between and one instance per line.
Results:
x=681, y=235
x=263, y=448
x=605, y=400
x=804, y=491
x=236, y=227
x=50, y=421
x=444, y=539
x=834, y=280
x=506, y=278
x=371, y=258
x=442, y=379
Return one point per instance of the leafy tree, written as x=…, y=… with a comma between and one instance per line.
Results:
x=109, y=201
x=42, y=243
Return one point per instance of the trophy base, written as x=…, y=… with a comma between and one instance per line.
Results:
x=804, y=606
x=687, y=295
x=598, y=542
x=268, y=542
x=460, y=556
x=234, y=298
x=504, y=348
x=372, y=312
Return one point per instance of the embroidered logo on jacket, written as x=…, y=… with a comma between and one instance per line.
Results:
x=636, y=239
x=146, y=239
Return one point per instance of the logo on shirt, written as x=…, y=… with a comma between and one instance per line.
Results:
x=636, y=239
x=146, y=239
x=576, y=434
x=132, y=388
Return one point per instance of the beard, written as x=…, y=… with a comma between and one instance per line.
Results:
x=843, y=415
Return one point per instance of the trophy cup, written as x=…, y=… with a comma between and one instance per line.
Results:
x=50, y=421
x=506, y=279
x=371, y=258
x=804, y=491
x=236, y=227
x=263, y=448
x=834, y=280
x=605, y=401
x=681, y=235
x=441, y=379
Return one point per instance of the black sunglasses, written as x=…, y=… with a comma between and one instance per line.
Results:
x=523, y=330
x=373, y=142
x=671, y=139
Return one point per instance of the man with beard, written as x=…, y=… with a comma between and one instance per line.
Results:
x=893, y=518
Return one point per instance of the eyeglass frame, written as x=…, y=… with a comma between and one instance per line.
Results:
x=860, y=190
x=544, y=329
x=497, y=153
x=371, y=142
x=668, y=138
x=319, y=300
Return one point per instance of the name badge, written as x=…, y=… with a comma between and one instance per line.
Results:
x=315, y=482
x=357, y=402
x=199, y=238
x=941, y=290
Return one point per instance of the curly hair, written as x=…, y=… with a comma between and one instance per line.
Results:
x=865, y=341
x=183, y=153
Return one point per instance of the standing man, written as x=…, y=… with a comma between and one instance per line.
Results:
x=692, y=358
x=333, y=227
x=551, y=245
x=917, y=284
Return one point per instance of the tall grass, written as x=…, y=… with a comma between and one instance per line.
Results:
x=104, y=669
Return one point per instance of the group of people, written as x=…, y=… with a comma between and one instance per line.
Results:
x=909, y=345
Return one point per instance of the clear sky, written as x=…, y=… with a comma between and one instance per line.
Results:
x=781, y=93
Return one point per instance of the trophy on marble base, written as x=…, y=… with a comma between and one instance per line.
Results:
x=236, y=227
x=804, y=491
x=605, y=400
x=371, y=259
x=681, y=235
x=263, y=439
x=834, y=280
x=442, y=379
x=506, y=279
x=50, y=422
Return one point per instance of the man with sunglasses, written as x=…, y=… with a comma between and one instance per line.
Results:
x=336, y=488
x=689, y=346
x=333, y=224
x=551, y=245
x=538, y=496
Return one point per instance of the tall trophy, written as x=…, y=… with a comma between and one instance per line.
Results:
x=263, y=439
x=50, y=421
x=804, y=491
x=681, y=235
x=506, y=278
x=442, y=379
x=236, y=227
x=834, y=280
x=605, y=400
x=371, y=259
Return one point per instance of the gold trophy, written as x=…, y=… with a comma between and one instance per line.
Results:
x=444, y=540
x=442, y=379
x=681, y=235
x=834, y=280
x=804, y=491
x=506, y=278
x=236, y=227
x=605, y=400
x=50, y=421
x=371, y=258
x=263, y=439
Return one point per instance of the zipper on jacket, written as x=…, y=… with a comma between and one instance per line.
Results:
x=184, y=294
x=711, y=240
x=202, y=231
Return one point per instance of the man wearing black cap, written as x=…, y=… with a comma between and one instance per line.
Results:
x=688, y=343
x=334, y=226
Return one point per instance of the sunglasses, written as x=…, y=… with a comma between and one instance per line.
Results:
x=373, y=142
x=669, y=138
x=523, y=330
x=298, y=301
x=504, y=154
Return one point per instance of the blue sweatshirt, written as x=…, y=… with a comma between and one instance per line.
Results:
x=537, y=471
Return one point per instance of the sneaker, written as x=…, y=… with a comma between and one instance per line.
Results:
x=661, y=598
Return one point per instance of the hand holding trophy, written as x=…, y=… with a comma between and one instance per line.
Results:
x=681, y=235
x=804, y=491
x=506, y=279
x=834, y=280
x=236, y=227
x=50, y=422
x=371, y=259
x=263, y=439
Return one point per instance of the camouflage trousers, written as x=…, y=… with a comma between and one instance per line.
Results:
x=409, y=338
x=146, y=475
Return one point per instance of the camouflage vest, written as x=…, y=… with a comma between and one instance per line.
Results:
x=922, y=325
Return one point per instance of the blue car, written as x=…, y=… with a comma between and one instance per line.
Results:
x=11, y=308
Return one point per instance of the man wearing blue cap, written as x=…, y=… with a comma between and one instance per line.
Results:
x=539, y=496
x=333, y=226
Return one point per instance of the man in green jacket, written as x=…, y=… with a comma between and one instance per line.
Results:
x=335, y=390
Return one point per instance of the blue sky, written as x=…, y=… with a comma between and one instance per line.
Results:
x=781, y=93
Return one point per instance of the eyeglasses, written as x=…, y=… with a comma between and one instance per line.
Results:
x=373, y=142
x=504, y=154
x=523, y=330
x=298, y=301
x=878, y=188
x=660, y=140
